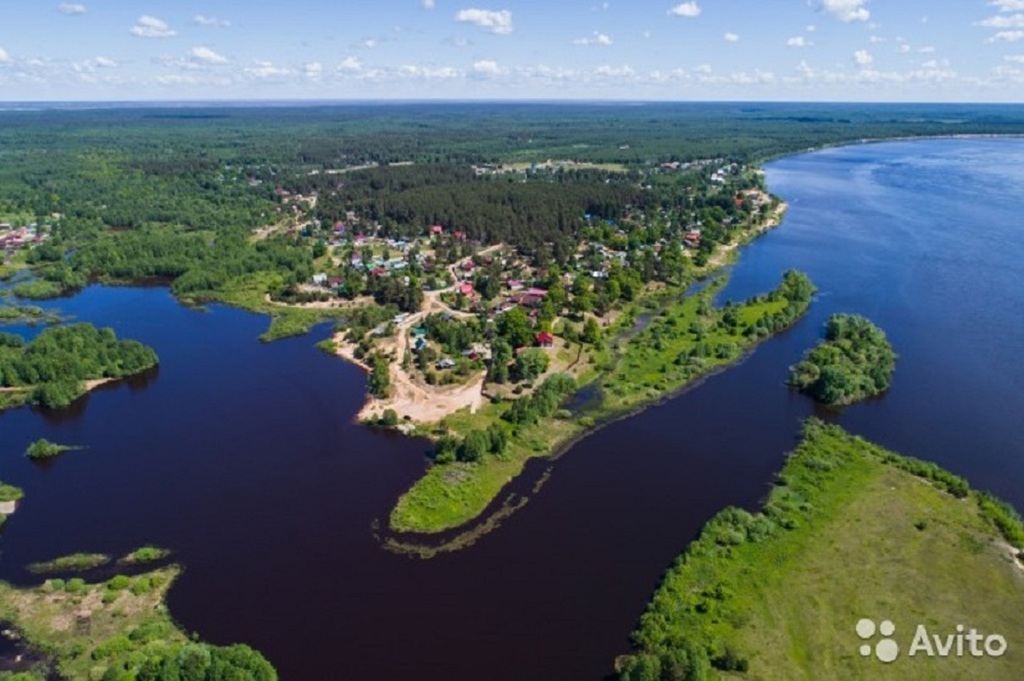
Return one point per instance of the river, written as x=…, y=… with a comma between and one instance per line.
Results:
x=244, y=459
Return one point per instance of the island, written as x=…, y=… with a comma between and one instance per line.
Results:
x=854, y=362
x=849, y=532
x=117, y=628
x=62, y=363
x=44, y=449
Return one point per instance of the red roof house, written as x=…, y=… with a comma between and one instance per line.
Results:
x=545, y=339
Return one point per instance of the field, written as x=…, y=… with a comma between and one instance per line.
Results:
x=849, y=532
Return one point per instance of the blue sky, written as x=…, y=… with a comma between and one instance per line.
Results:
x=843, y=50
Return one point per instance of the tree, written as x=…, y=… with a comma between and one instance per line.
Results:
x=530, y=364
x=591, y=331
x=514, y=327
x=380, y=378
x=474, y=446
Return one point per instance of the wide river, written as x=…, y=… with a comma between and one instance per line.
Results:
x=244, y=459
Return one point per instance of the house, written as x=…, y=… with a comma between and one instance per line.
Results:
x=379, y=272
x=320, y=279
x=446, y=363
x=467, y=266
x=515, y=285
x=537, y=292
x=460, y=236
x=466, y=289
x=436, y=230
x=335, y=282
x=419, y=345
x=339, y=226
x=545, y=339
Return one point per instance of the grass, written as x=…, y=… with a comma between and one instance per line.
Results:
x=452, y=495
x=10, y=493
x=146, y=554
x=115, y=628
x=26, y=314
x=849, y=532
x=38, y=289
x=75, y=562
x=249, y=292
x=646, y=369
x=44, y=449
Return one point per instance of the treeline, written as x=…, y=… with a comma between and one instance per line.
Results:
x=854, y=362
x=56, y=362
x=545, y=208
x=194, y=662
x=196, y=262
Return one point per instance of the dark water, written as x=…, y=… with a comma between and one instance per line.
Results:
x=242, y=457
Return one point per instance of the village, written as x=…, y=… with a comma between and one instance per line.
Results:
x=476, y=321
x=15, y=239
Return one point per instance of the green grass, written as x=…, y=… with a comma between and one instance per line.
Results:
x=10, y=493
x=249, y=292
x=38, y=289
x=454, y=494
x=26, y=314
x=849, y=532
x=146, y=554
x=44, y=449
x=112, y=629
x=76, y=562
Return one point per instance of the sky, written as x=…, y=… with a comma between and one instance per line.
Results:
x=751, y=50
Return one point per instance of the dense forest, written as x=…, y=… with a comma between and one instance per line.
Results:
x=854, y=362
x=56, y=362
x=171, y=193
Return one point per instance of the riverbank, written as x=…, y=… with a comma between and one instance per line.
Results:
x=113, y=629
x=688, y=341
x=848, y=532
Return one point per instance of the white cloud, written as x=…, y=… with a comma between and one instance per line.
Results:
x=596, y=39
x=614, y=71
x=495, y=21
x=847, y=10
x=4, y=57
x=84, y=68
x=1003, y=21
x=428, y=4
x=266, y=69
x=904, y=48
x=213, y=22
x=927, y=49
x=730, y=37
x=207, y=55
x=71, y=8
x=1017, y=58
x=313, y=70
x=1006, y=36
x=874, y=40
x=686, y=9
x=1008, y=5
x=151, y=27
x=369, y=43
x=350, y=65
x=812, y=28
x=863, y=58
x=703, y=68
x=799, y=41
x=487, y=67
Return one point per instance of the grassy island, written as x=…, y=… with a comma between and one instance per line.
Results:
x=44, y=449
x=850, y=531
x=75, y=562
x=60, y=364
x=118, y=629
x=854, y=362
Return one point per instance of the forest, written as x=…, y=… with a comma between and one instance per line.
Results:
x=54, y=365
x=854, y=362
x=147, y=192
